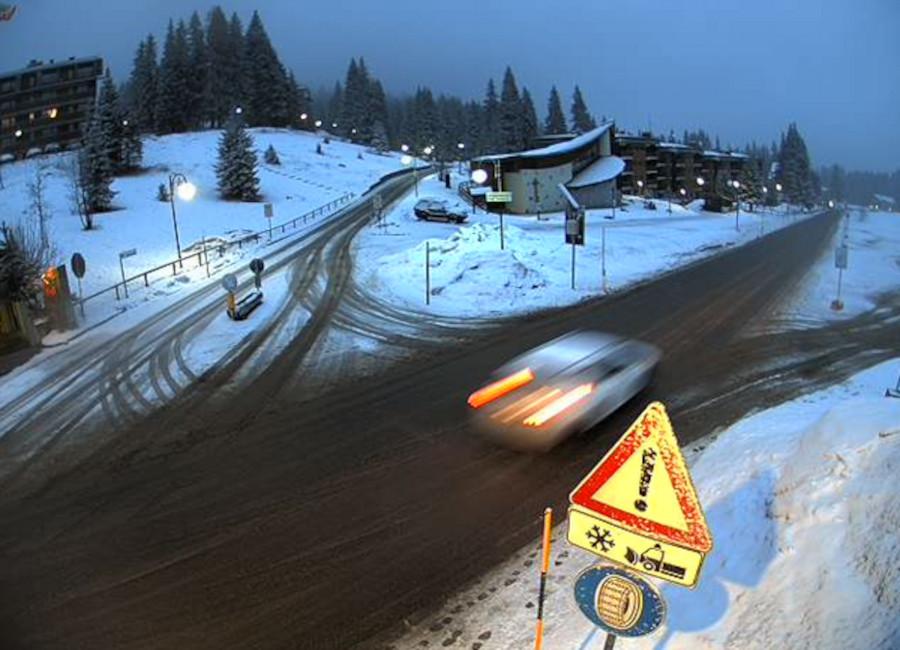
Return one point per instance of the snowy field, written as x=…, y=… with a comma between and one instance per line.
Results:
x=873, y=241
x=471, y=276
x=304, y=181
x=802, y=503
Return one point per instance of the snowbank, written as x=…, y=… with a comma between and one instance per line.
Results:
x=471, y=276
x=802, y=501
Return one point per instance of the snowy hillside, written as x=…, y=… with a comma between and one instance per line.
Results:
x=802, y=503
x=304, y=181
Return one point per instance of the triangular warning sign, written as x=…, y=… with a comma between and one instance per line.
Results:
x=643, y=485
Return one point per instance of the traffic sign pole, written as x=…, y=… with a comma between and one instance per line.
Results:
x=603, y=256
x=427, y=273
x=610, y=642
x=502, y=245
x=545, y=568
x=573, y=265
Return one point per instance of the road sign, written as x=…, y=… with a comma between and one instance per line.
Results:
x=618, y=601
x=638, y=506
x=7, y=12
x=498, y=197
x=78, y=266
x=229, y=282
x=840, y=257
x=575, y=226
x=268, y=211
x=257, y=265
x=129, y=253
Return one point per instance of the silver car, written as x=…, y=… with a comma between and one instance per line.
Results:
x=567, y=385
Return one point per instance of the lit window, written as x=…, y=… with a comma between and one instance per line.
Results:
x=52, y=113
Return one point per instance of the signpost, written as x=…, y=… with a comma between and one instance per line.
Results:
x=840, y=263
x=502, y=198
x=78, y=268
x=638, y=508
x=574, y=232
x=129, y=253
x=257, y=266
x=269, y=212
x=230, y=284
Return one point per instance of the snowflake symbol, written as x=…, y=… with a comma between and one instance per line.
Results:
x=602, y=539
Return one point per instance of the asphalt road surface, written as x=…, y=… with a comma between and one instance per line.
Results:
x=287, y=512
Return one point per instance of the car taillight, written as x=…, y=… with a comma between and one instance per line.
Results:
x=557, y=406
x=500, y=388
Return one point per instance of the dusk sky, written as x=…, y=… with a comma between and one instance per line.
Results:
x=737, y=68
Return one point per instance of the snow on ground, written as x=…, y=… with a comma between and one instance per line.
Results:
x=471, y=276
x=304, y=181
x=873, y=240
x=802, y=503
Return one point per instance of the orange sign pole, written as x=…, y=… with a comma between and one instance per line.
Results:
x=545, y=568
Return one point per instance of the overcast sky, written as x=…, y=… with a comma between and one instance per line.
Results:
x=740, y=68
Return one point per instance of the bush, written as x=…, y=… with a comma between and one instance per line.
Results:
x=162, y=193
x=271, y=156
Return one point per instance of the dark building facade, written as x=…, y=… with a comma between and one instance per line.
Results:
x=45, y=106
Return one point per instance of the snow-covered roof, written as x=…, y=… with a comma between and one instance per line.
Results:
x=724, y=154
x=674, y=145
x=599, y=171
x=883, y=198
x=560, y=148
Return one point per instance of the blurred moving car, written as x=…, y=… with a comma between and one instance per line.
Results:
x=437, y=210
x=564, y=386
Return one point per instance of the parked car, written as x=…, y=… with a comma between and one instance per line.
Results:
x=562, y=387
x=437, y=210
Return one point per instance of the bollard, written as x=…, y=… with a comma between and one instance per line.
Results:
x=146, y=281
x=545, y=568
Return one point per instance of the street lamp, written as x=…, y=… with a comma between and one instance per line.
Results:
x=461, y=147
x=640, y=185
x=18, y=133
x=830, y=204
x=737, y=202
x=303, y=116
x=178, y=183
x=404, y=148
x=238, y=110
x=410, y=160
x=479, y=177
x=318, y=124
x=334, y=125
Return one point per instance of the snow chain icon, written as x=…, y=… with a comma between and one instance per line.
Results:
x=603, y=538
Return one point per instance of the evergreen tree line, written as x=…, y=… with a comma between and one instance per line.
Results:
x=501, y=122
x=859, y=188
x=206, y=71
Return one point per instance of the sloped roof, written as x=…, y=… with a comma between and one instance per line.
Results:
x=558, y=149
x=601, y=170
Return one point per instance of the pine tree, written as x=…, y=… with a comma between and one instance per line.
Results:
x=111, y=118
x=198, y=98
x=424, y=120
x=171, y=115
x=95, y=168
x=221, y=57
x=794, y=172
x=530, y=125
x=353, y=103
x=236, y=169
x=556, y=119
x=490, y=135
x=378, y=116
x=132, y=155
x=335, y=106
x=267, y=89
x=474, y=120
x=751, y=182
x=510, y=115
x=271, y=156
x=582, y=121
x=235, y=68
x=143, y=86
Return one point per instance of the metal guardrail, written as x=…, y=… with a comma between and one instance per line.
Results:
x=178, y=266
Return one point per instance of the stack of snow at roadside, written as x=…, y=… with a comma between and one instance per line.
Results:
x=804, y=507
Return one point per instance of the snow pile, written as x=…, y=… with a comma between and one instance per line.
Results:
x=802, y=501
x=471, y=276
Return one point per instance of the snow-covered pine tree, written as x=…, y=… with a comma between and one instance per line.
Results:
x=95, y=168
x=171, y=114
x=237, y=83
x=236, y=169
x=556, y=119
x=271, y=156
x=794, y=168
x=510, y=114
x=377, y=113
x=198, y=97
x=425, y=122
x=491, y=111
x=142, y=86
x=751, y=182
x=582, y=122
x=530, y=125
x=335, y=105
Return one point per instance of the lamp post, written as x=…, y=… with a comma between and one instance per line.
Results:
x=640, y=185
x=778, y=188
x=461, y=147
x=479, y=176
x=737, y=202
x=186, y=192
x=407, y=160
x=318, y=124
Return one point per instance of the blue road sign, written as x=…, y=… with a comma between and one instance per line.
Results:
x=618, y=601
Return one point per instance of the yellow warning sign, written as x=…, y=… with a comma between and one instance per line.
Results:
x=638, y=506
